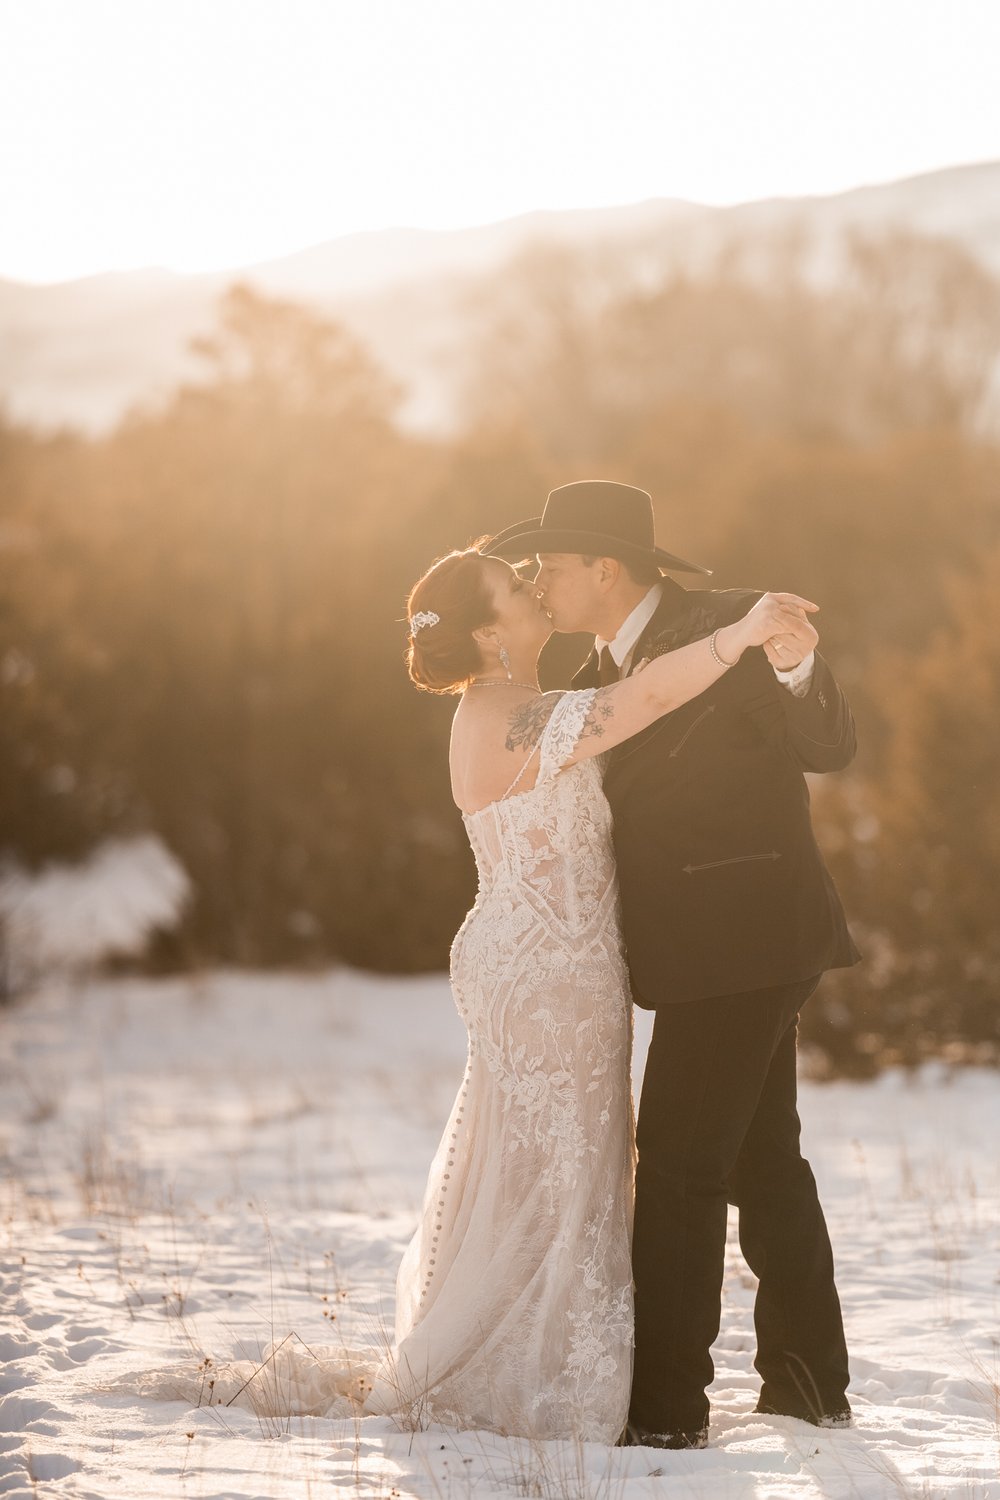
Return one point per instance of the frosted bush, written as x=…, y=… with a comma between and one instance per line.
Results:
x=66, y=918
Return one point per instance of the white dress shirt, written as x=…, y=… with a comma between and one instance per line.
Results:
x=798, y=681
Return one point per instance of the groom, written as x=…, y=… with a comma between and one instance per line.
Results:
x=730, y=919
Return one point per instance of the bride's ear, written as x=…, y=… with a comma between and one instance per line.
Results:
x=484, y=635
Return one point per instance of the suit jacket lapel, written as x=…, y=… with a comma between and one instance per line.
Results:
x=665, y=630
x=586, y=677
x=666, y=626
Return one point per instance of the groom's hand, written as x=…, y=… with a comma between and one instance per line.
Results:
x=793, y=645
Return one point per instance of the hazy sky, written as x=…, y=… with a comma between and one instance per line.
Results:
x=196, y=134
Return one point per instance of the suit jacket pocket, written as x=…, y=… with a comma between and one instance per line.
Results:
x=736, y=859
x=659, y=727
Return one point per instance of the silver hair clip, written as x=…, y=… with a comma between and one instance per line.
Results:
x=424, y=617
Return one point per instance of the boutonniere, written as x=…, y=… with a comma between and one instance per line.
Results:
x=660, y=644
x=697, y=623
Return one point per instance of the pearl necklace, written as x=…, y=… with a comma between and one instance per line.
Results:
x=500, y=682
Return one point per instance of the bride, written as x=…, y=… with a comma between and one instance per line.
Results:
x=514, y=1298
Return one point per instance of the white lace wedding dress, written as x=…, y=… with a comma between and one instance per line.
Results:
x=514, y=1298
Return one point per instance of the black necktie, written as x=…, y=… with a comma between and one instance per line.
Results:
x=607, y=667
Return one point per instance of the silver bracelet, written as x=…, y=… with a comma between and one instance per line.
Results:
x=720, y=661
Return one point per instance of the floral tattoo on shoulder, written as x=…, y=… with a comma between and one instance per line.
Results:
x=527, y=723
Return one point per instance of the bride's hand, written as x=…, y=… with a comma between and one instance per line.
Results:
x=784, y=615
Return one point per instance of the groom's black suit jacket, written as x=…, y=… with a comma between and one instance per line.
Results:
x=723, y=888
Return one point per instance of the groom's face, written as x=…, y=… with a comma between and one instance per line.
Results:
x=568, y=585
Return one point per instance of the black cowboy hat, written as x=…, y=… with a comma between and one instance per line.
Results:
x=593, y=516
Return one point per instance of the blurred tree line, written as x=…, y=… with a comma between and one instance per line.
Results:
x=201, y=614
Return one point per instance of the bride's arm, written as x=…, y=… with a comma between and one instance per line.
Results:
x=623, y=709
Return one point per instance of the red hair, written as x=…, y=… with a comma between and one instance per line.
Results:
x=443, y=657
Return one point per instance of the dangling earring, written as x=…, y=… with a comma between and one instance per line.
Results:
x=505, y=660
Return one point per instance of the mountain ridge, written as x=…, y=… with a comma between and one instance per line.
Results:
x=82, y=352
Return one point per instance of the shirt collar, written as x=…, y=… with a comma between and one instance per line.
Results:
x=632, y=628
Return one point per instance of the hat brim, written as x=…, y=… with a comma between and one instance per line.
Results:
x=527, y=537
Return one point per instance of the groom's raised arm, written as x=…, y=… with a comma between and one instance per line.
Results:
x=804, y=711
x=816, y=728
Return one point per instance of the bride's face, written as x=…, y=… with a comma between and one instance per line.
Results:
x=522, y=621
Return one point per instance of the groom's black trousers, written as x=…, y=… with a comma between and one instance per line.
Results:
x=717, y=1123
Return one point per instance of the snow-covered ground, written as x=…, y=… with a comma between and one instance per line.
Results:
x=199, y=1166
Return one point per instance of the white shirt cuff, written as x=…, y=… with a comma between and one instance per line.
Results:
x=799, y=680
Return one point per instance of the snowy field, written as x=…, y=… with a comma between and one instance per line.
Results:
x=197, y=1167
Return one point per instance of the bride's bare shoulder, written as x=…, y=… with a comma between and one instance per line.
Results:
x=491, y=739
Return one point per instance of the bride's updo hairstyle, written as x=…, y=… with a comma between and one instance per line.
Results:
x=442, y=655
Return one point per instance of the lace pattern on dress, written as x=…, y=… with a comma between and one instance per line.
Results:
x=561, y=733
x=526, y=1227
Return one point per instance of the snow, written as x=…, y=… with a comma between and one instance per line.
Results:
x=198, y=1166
